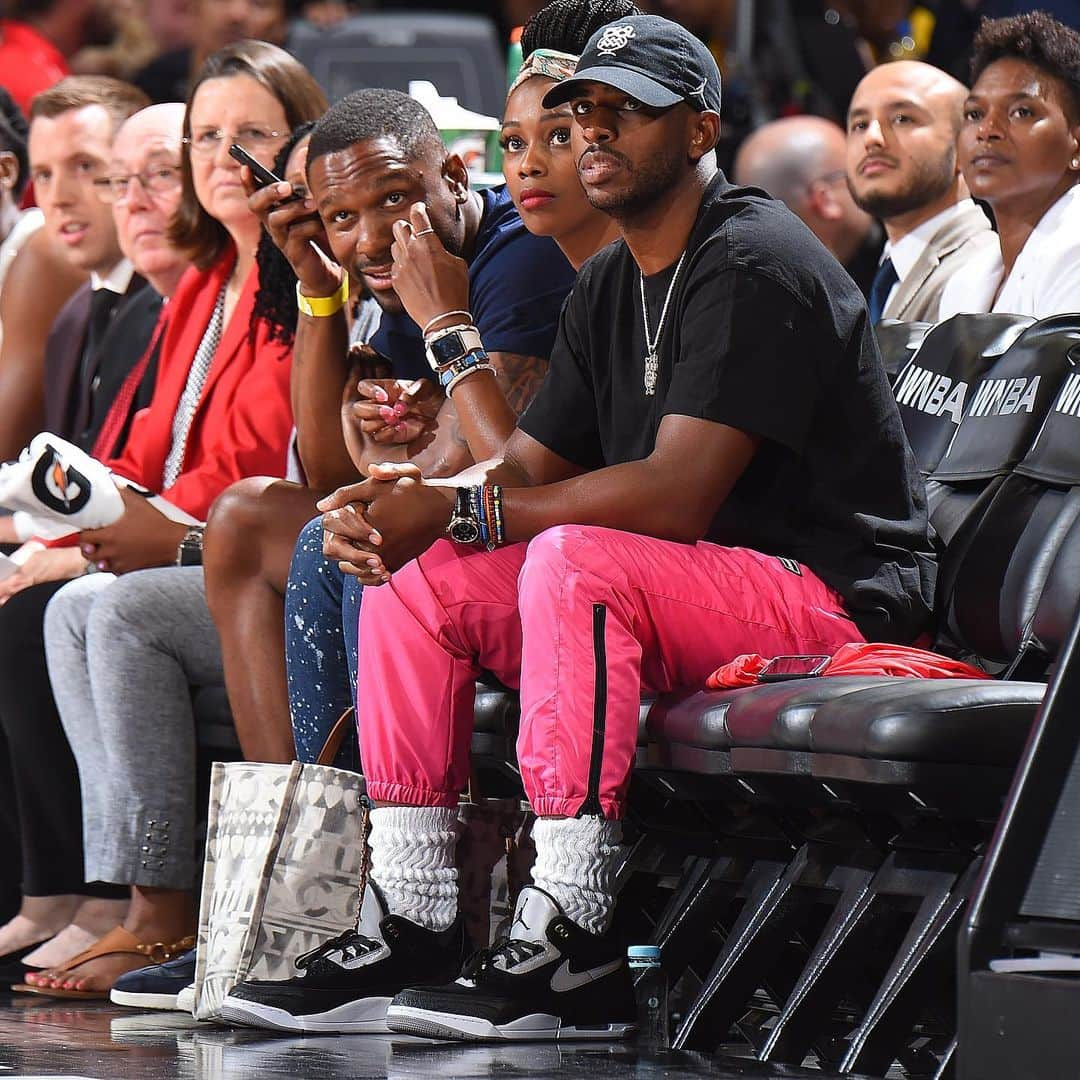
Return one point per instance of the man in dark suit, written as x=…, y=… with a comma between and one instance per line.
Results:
x=72, y=126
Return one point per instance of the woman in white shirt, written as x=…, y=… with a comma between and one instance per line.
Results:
x=1019, y=150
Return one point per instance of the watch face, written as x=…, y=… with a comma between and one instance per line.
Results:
x=447, y=349
x=464, y=531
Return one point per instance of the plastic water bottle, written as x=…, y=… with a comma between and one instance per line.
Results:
x=651, y=991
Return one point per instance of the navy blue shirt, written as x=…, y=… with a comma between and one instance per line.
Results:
x=517, y=285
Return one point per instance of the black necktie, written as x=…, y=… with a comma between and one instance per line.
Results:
x=102, y=304
x=885, y=278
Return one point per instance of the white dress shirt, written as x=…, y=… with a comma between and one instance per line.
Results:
x=1045, y=278
x=908, y=250
x=116, y=280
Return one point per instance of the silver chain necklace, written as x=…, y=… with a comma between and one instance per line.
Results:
x=652, y=360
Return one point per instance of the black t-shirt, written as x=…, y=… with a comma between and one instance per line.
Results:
x=517, y=285
x=765, y=333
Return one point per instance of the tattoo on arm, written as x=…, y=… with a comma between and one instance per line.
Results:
x=519, y=377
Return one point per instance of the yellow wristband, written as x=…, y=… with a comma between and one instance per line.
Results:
x=319, y=307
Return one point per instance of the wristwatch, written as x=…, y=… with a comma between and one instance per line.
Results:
x=452, y=346
x=189, y=552
x=463, y=527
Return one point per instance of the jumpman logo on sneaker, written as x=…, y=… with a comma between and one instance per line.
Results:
x=518, y=918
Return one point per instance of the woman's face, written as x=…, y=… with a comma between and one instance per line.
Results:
x=1016, y=141
x=247, y=113
x=538, y=163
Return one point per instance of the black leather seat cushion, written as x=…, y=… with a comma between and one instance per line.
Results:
x=944, y=721
x=697, y=719
x=778, y=715
x=770, y=715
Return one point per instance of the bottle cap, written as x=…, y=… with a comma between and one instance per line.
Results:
x=643, y=952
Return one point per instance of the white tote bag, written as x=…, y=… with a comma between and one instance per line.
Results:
x=284, y=855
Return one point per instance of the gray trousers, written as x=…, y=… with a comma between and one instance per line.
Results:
x=124, y=653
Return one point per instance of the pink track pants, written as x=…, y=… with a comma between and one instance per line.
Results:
x=584, y=621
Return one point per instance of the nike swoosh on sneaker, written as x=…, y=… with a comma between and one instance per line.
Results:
x=564, y=979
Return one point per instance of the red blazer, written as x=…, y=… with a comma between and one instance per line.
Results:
x=244, y=419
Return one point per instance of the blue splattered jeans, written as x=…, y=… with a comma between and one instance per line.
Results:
x=322, y=609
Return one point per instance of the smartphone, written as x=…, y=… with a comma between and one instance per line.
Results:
x=781, y=668
x=259, y=171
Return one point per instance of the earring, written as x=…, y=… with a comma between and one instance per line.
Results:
x=1075, y=163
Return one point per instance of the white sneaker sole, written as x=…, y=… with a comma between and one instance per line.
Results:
x=535, y=1027
x=367, y=1016
x=143, y=1001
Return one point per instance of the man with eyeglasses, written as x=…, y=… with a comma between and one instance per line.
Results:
x=143, y=187
x=800, y=161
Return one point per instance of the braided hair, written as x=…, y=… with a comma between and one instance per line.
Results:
x=566, y=25
x=14, y=131
x=275, y=300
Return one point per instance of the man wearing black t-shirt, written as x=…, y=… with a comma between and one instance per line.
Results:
x=714, y=465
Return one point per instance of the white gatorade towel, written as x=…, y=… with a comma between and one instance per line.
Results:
x=56, y=489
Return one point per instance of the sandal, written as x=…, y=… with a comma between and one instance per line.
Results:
x=117, y=941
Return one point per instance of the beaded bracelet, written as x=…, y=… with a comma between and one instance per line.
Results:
x=491, y=504
x=476, y=504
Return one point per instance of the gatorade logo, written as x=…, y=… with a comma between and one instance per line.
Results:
x=63, y=489
x=613, y=39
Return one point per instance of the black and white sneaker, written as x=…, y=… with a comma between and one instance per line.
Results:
x=550, y=979
x=346, y=984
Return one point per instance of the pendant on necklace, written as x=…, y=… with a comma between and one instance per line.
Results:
x=652, y=369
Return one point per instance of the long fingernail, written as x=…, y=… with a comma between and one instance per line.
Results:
x=387, y=413
x=381, y=394
x=375, y=537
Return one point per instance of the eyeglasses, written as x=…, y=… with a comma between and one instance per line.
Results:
x=158, y=180
x=251, y=137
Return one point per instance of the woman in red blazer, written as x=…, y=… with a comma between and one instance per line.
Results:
x=220, y=412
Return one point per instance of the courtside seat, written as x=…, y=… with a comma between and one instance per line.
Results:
x=898, y=342
x=1013, y=598
x=1002, y=416
x=704, y=732
x=949, y=745
x=940, y=378
x=935, y=757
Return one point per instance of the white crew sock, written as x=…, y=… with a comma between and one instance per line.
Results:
x=575, y=858
x=412, y=862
